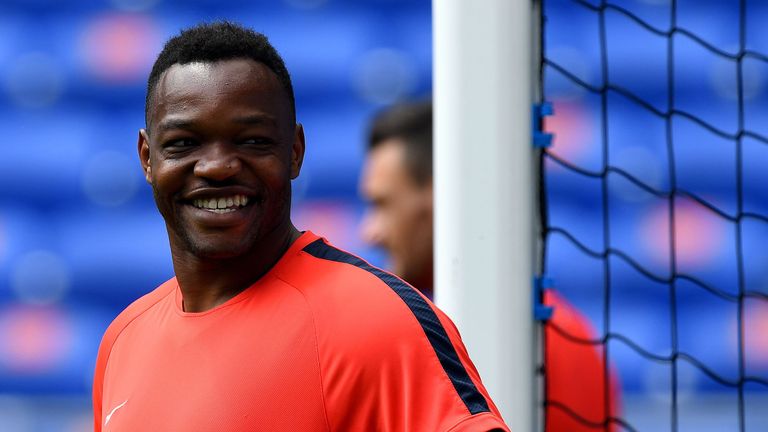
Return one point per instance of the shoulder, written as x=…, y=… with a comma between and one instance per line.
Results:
x=382, y=343
x=319, y=263
x=136, y=309
x=575, y=369
x=129, y=314
x=571, y=341
x=567, y=318
x=342, y=289
x=123, y=320
x=358, y=308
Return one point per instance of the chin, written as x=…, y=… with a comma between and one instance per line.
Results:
x=218, y=248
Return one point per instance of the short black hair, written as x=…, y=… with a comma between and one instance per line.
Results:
x=410, y=122
x=212, y=42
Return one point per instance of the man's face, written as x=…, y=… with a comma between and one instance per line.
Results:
x=400, y=214
x=220, y=151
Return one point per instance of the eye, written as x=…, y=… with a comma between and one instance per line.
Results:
x=378, y=203
x=179, y=144
x=257, y=141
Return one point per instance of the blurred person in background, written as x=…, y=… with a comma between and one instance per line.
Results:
x=264, y=327
x=396, y=181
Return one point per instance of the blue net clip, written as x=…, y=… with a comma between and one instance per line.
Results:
x=541, y=139
x=541, y=312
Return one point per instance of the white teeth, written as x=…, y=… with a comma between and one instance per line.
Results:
x=221, y=205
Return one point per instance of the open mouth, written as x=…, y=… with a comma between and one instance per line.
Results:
x=221, y=205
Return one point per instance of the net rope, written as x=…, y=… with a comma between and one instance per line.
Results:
x=670, y=194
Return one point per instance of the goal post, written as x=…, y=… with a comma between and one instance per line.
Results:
x=484, y=170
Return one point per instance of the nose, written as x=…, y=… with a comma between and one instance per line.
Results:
x=371, y=229
x=218, y=161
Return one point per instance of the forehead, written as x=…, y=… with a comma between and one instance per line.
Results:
x=238, y=84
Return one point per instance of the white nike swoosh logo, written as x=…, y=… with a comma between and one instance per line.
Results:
x=109, y=416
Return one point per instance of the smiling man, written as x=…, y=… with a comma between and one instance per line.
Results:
x=264, y=327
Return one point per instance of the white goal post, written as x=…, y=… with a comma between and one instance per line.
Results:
x=484, y=163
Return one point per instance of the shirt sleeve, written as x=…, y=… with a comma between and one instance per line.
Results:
x=402, y=367
x=108, y=340
x=98, y=379
x=389, y=359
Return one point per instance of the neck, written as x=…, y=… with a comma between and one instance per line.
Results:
x=209, y=282
x=425, y=286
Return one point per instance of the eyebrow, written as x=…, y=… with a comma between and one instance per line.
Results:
x=172, y=124
x=255, y=119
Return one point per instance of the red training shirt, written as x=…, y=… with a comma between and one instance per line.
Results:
x=322, y=342
x=575, y=373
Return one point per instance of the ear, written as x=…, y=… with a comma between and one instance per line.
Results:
x=143, y=147
x=297, y=151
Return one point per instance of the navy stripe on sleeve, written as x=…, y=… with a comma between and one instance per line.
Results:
x=434, y=330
